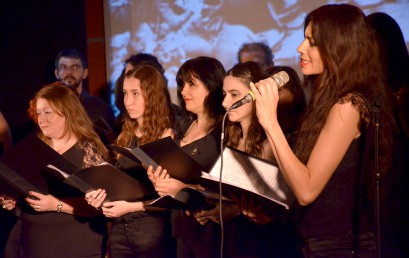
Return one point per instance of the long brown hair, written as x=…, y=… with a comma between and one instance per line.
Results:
x=65, y=102
x=346, y=46
x=247, y=72
x=157, y=114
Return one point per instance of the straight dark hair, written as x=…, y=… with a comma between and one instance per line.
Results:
x=211, y=73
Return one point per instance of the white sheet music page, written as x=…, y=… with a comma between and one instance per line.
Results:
x=253, y=174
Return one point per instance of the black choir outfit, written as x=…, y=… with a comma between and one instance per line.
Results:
x=339, y=221
x=140, y=233
x=193, y=239
x=52, y=234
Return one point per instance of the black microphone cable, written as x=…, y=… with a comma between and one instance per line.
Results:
x=221, y=187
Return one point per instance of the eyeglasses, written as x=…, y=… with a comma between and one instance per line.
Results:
x=65, y=68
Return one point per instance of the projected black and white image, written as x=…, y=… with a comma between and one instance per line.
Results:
x=176, y=30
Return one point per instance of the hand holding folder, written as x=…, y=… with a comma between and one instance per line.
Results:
x=22, y=170
x=177, y=195
x=186, y=199
x=117, y=184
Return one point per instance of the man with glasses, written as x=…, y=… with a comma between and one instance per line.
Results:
x=71, y=69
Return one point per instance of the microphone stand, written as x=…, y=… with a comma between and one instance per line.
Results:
x=220, y=186
x=376, y=110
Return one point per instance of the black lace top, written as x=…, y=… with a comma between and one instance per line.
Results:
x=333, y=220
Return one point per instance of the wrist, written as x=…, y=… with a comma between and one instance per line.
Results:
x=137, y=206
x=141, y=206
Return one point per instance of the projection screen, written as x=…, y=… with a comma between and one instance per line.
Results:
x=178, y=30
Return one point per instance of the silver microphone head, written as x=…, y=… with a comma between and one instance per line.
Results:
x=281, y=78
x=248, y=98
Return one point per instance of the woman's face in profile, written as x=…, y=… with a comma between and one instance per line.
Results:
x=310, y=57
x=234, y=89
x=194, y=94
x=50, y=121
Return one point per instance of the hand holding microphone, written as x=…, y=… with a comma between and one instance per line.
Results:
x=281, y=79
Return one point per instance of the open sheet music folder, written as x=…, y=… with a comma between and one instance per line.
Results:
x=13, y=185
x=117, y=184
x=28, y=159
x=166, y=153
x=255, y=178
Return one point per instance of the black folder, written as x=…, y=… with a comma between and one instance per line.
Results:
x=117, y=184
x=186, y=199
x=28, y=159
x=166, y=153
x=12, y=185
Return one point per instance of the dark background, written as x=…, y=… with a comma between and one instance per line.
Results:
x=31, y=34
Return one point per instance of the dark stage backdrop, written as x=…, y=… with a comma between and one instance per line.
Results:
x=31, y=34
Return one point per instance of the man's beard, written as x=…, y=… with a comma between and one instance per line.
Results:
x=72, y=82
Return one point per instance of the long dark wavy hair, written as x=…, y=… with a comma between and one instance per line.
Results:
x=157, y=114
x=347, y=50
x=247, y=72
x=211, y=73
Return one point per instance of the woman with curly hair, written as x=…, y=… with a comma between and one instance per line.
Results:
x=332, y=169
x=137, y=231
x=66, y=227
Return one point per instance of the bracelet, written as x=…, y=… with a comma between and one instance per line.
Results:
x=59, y=206
x=143, y=206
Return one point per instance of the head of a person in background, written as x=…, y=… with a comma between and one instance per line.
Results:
x=292, y=100
x=392, y=50
x=71, y=68
x=148, y=109
x=257, y=52
x=243, y=120
x=200, y=88
x=58, y=112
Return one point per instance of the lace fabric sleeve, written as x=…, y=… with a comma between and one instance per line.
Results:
x=360, y=103
x=92, y=156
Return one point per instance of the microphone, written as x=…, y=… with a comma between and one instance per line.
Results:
x=249, y=97
x=281, y=79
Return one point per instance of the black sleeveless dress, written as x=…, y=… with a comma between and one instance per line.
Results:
x=193, y=239
x=339, y=222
